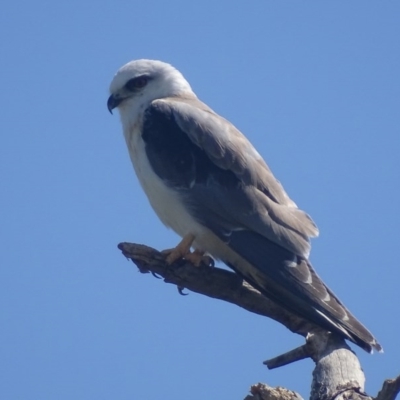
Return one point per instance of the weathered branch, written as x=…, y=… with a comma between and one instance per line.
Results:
x=213, y=282
x=297, y=354
x=390, y=389
x=261, y=391
x=337, y=374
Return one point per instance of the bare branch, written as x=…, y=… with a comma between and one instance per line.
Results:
x=213, y=282
x=297, y=354
x=337, y=374
x=262, y=391
x=390, y=389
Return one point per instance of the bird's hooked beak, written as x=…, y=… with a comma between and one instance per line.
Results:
x=113, y=101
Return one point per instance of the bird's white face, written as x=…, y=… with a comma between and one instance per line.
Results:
x=138, y=83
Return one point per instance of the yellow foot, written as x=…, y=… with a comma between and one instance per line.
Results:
x=197, y=258
x=180, y=251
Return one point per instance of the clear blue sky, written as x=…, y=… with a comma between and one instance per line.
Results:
x=316, y=88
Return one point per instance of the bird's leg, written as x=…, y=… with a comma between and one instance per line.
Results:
x=180, y=251
x=197, y=258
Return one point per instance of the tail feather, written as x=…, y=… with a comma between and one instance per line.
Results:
x=292, y=282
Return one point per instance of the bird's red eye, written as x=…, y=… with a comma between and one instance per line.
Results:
x=137, y=83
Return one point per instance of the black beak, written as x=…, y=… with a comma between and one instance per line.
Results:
x=112, y=102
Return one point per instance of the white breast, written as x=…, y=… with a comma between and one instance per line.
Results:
x=165, y=202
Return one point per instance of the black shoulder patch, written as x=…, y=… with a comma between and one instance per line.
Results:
x=172, y=155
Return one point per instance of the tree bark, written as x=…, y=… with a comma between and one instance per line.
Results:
x=337, y=374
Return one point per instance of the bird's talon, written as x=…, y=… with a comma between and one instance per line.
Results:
x=171, y=255
x=180, y=290
x=197, y=258
x=208, y=261
x=180, y=250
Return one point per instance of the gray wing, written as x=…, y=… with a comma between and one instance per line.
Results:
x=227, y=187
x=268, y=209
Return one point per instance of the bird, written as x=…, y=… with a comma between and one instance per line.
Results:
x=207, y=182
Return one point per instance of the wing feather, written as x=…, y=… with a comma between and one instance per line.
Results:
x=274, y=215
x=227, y=187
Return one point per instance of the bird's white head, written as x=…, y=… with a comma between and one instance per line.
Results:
x=138, y=83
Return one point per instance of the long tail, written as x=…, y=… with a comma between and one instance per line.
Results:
x=291, y=281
